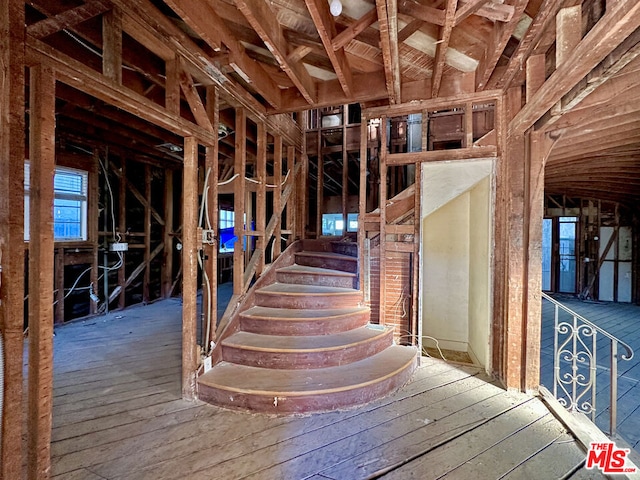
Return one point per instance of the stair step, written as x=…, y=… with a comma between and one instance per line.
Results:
x=307, y=296
x=334, y=261
x=306, y=352
x=292, y=321
x=283, y=391
x=306, y=275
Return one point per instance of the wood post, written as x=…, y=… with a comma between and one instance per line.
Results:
x=211, y=223
x=189, y=267
x=122, y=228
x=383, y=217
x=261, y=197
x=362, y=200
x=12, y=141
x=291, y=203
x=112, y=45
x=42, y=105
x=277, y=195
x=167, y=255
x=239, y=200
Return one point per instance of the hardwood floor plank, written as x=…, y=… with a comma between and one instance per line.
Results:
x=441, y=460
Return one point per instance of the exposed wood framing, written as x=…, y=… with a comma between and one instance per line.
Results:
x=112, y=45
x=42, y=106
x=147, y=234
x=496, y=45
x=68, y=18
x=355, y=29
x=535, y=73
x=277, y=195
x=172, y=85
x=239, y=169
x=443, y=45
x=388, y=25
x=193, y=99
x=202, y=17
x=190, y=267
x=167, y=232
x=211, y=250
x=261, y=197
x=122, y=228
x=290, y=206
x=546, y=14
x=362, y=199
x=383, y=218
x=441, y=155
x=319, y=10
x=263, y=20
x=620, y=21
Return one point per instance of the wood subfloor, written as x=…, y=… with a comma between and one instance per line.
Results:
x=118, y=415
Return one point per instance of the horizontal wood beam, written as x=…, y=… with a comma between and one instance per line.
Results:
x=68, y=18
x=356, y=28
x=468, y=153
x=76, y=75
x=487, y=96
x=617, y=24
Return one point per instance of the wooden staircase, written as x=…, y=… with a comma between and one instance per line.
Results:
x=306, y=345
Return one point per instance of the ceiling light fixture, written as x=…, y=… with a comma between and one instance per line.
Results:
x=335, y=6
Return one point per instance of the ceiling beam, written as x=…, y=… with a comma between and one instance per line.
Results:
x=68, y=19
x=468, y=9
x=355, y=29
x=620, y=21
x=388, y=25
x=321, y=16
x=263, y=20
x=542, y=20
x=419, y=11
x=500, y=35
x=443, y=45
x=203, y=19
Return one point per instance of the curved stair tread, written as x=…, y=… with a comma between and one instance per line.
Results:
x=309, y=343
x=301, y=314
x=331, y=255
x=243, y=379
x=305, y=290
x=315, y=271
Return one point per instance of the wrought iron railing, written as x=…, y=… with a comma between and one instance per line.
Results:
x=575, y=362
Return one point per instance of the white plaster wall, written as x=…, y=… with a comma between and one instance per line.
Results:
x=479, y=271
x=446, y=274
x=455, y=271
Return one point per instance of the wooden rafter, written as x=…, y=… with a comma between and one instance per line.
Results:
x=545, y=15
x=443, y=45
x=319, y=10
x=421, y=12
x=617, y=24
x=193, y=99
x=388, y=24
x=355, y=29
x=496, y=45
x=68, y=19
x=469, y=9
x=202, y=17
x=263, y=20
x=409, y=30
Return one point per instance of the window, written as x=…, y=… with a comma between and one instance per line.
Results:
x=227, y=235
x=69, y=204
x=333, y=223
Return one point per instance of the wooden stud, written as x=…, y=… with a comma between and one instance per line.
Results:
x=172, y=86
x=42, y=105
x=12, y=252
x=239, y=199
x=291, y=203
x=92, y=227
x=362, y=198
x=211, y=251
x=261, y=198
x=167, y=255
x=383, y=217
x=112, y=45
x=277, y=195
x=147, y=234
x=345, y=170
x=319, y=185
x=568, y=36
x=468, y=125
x=535, y=75
x=59, y=283
x=122, y=228
x=189, y=267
